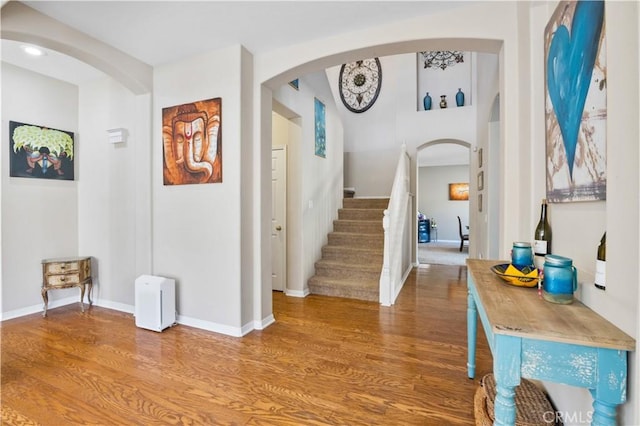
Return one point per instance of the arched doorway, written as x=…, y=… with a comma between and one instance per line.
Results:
x=271, y=84
x=439, y=164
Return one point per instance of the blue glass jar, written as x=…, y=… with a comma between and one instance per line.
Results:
x=560, y=279
x=521, y=254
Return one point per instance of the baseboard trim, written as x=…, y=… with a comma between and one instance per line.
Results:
x=264, y=323
x=130, y=309
x=297, y=293
x=39, y=308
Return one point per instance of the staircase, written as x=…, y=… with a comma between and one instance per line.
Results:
x=352, y=260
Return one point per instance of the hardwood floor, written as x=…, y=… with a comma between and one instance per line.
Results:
x=326, y=361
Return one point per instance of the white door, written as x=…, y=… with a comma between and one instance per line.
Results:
x=278, y=218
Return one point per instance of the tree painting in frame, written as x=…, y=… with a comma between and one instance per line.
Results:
x=192, y=143
x=576, y=102
x=320, y=129
x=40, y=152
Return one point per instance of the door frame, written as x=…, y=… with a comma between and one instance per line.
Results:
x=282, y=148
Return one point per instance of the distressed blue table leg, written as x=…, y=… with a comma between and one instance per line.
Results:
x=505, y=406
x=472, y=329
x=506, y=369
x=604, y=414
x=611, y=387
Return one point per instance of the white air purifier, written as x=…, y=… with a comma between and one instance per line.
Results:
x=155, y=302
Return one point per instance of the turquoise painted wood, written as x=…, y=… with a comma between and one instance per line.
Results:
x=602, y=370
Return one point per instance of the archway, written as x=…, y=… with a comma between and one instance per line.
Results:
x=269, y=84
x=440, y=163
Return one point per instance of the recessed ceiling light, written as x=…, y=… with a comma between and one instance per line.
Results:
x=33, y=50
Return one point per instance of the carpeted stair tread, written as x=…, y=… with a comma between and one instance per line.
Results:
x=334, y=269
x=358, y=226
x=365, y=203
x=353, y=254
x=344, y=287
x=347, y=282
x=364, y=267
x=361, y=214
x=356, y=239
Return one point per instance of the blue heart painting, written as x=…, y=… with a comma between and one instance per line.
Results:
x=570, y=63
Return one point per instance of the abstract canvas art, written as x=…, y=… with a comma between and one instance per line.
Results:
x=40, y=152
x=192, y=143
x=576, y=102
x=320, y=129
x=459, y=191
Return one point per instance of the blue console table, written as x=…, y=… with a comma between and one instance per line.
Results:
x=535, y=339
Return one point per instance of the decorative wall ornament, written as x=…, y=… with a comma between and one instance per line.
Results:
x=40, y=152
x=320, y=129
x=442, y=58
x=192, y=143
x=576, y=102
x=359, y=84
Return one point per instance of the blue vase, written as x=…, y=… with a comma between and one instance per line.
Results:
x=427, y=102
x=460, y=98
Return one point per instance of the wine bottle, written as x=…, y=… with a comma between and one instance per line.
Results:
x=601, y=265
x=542, y=237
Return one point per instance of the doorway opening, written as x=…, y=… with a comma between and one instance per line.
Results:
x=441, y=165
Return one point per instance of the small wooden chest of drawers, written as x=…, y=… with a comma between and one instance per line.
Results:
x=66, y=272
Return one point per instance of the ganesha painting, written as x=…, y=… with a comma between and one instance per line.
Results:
x=192, y=143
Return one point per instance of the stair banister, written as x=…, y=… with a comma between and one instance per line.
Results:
x=398, y=225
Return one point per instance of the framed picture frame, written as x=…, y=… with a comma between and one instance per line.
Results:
x=480, y=158
x=40, y=152
x=199, y=162
x=459, y=191
x=320, y=128
x=481, y=181
x=575, y=83
x=480, y=203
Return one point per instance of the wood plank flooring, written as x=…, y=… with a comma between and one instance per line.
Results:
x=326, y=361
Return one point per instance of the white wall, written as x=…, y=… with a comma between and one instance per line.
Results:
x=197, y=228
x=315, y=183
x=433, y=199
x=109, y=175
x=39, y=216
x=484, y=224
x=438, y=82
x=373, y=138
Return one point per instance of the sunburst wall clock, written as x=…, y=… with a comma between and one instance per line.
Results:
x=360, y=83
